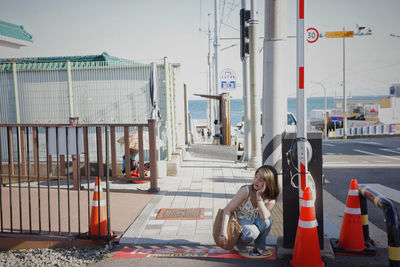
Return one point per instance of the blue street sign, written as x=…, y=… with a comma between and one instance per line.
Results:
x=335, y=121
x=228, y=80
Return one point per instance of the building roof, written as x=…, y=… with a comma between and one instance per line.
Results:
x=39, y=63
x=13, y=35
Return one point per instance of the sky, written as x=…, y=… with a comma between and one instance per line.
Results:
x=148, y=30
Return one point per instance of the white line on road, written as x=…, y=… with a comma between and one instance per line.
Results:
x=368, y=143
x=326, y=144
x=386, y=191
x=374, y=154
x=390, y=150
x=360, y=165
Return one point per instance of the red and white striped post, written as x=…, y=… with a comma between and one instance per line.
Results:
x=301, y=101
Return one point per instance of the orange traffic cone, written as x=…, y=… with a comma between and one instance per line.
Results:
x=98, y=216
x=351, y=235
x=306, y=247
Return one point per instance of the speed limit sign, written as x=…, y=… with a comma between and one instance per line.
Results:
x=312, y=35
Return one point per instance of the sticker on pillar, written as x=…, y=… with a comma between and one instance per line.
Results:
x=228, y=80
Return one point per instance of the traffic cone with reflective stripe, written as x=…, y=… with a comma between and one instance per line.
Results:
x=306, y=247
x=98, y=216
x=351, y=234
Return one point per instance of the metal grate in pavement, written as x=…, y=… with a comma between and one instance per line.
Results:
x=181, y=214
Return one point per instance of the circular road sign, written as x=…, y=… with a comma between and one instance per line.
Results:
x=312, y=35
x=335, y=121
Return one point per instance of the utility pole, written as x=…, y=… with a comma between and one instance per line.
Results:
x=344, y=91
x=216, y=48
x=274, y=97
x=361, y=30
x=210, y=114
x=244, y=47
x=255, y=154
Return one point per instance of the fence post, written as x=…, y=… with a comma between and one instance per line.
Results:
x=153, y=157
x=113, y=152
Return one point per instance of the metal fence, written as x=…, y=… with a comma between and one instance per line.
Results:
x=96, y=92
x=53, y=194
x=381, y=129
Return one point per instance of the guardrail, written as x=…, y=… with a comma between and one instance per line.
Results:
x=392, y=221
x=37, y=162
x=382, y=129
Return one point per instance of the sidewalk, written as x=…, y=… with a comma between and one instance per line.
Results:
x=208, y=178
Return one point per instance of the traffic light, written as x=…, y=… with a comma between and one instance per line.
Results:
x=244, y=32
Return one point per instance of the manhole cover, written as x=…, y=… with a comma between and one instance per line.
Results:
x=180, y=214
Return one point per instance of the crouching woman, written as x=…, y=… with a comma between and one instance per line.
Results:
x=254, y=203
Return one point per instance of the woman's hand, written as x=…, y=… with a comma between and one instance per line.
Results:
x=261, y=191
x=223, y=239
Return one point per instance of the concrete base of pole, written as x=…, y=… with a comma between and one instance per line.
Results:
x=254, y=163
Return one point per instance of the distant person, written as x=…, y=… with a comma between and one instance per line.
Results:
x=134, y=164
x=218, y=131
x=254, y=204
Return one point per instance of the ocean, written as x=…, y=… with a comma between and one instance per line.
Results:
x=197, y=108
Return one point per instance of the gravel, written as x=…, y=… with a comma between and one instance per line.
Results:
x=53, y=257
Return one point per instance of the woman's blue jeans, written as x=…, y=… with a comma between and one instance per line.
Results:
x=256, y=232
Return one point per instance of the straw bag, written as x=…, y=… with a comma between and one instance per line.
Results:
x=234, y=229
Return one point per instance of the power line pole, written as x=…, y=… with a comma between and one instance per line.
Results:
x=255, y=154
x=361, y=30
x=216, y=48
x=210, y=114
x=344, y=91
x=274, y=97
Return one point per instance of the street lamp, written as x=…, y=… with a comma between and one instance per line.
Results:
x=325, y=118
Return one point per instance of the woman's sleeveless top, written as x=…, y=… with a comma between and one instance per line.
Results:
x=246, y=209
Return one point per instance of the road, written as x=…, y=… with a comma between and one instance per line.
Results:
x=373, y=161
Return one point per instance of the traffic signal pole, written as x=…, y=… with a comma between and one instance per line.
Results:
x=244, y=56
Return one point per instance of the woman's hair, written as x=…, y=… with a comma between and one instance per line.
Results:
x=269, y=174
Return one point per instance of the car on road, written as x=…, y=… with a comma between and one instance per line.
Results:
x=239, y=133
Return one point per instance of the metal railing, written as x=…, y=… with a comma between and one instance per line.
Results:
x=381, y=129
x=391, y=217
x=47, y=174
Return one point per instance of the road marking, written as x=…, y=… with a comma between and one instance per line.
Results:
x=368, y=143
x=326, y=144
x=356, y=165
x=374, y=154
x=386, y=191
x=390, y=150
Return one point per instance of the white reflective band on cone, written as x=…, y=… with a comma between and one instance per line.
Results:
x=96, y=188
x=352, y=210
x=353, y=192
x=307, y=203
x=95, y=203
x=308, y=224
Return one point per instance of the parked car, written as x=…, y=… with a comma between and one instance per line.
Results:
x=239, y=133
